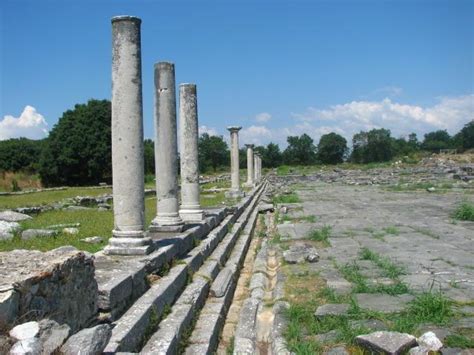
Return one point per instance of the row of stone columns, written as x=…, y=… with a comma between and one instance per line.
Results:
x=129, y=236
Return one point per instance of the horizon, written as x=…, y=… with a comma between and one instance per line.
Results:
x=276, y=69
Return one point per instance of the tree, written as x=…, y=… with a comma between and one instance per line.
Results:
x=20, y=154
x=434, y=141
x=373, y=146
x=213, y=152
x=464, y=139
x=300, y=150
x=332, y=148
x=149, y=156
x=272, y=156
x=78, y=149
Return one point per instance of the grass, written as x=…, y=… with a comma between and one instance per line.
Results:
x=459, y=341
x=308, y=219
x=92, y=222
x=10, y=181
x=320, y=235
x=465, y=211
x=287, y=198
x=392, y=230
x=48, y=197
x=390, y=269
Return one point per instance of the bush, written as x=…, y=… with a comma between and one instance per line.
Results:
x=465, y=212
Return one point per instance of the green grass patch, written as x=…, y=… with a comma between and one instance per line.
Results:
x=391, y=230
x=390, y=269
x=320, y=235
x=287, y=198
x=458, y=341
x=48, y=197
x=464, y=212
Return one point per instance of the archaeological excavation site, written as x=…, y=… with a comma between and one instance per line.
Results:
x=322, y=259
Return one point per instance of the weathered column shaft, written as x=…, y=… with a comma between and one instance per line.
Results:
x=127, y=139
x=255, y=170
x=250, y=165
x=234, y=162
x=188, y=120
x=166, y=150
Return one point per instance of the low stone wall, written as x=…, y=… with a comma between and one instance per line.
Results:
x=58, y=285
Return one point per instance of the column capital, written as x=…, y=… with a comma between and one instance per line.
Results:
x=250, y=145
x=126, y=18
x=233, y=129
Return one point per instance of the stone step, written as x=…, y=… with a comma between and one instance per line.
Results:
x=205, y=335
x=178, y=324
x=132, y=329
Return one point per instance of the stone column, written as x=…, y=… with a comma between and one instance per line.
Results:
x=255, y=169
x=234, y=162
x=166, y=151
x=250, y=166
x=259, y=167
x=190, y=210
x=128, y=236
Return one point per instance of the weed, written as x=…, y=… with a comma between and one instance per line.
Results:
x=392, y=230
x=287, y=198
x=458, y=341
x=390, y=269
x=320, y=235
x=230, y=347
x=465, y=211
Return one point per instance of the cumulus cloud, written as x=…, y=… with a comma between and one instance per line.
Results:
x=31, y=124
x=209, y=130
x=449, y=113
x=255, y=135
x=263, y=117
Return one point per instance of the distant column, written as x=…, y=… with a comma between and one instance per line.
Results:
x=234, y=162
x=188, y=120
x=128, y=236
x=255, y=169
x=166, y=151
x=260, y=168
x=250, y=165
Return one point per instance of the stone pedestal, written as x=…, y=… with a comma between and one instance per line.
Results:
x=235, y=190
x=190, y=210
x=250, y=166
x=166, y=151
x=128, y=236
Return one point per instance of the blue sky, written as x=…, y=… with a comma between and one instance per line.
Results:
x=277, y=68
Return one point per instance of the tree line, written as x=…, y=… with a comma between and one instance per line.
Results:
x=78, y=148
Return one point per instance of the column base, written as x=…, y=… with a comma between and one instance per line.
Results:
x=166, y=224
x=234, y=194
x=249, y=184
x=192, y=215
x=128, y=243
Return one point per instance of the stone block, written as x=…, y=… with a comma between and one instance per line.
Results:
x=392, y=343
x=331, y=310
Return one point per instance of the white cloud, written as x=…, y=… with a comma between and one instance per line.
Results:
x=263, y=117
x=255, y=135
x=209, y=130
x=31, y=124
x=449, y=113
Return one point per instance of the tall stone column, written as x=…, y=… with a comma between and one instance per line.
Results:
x=260, y=168
x=255, y=169
x=190, y=210
x=250, y=165
x=128, y=236
x=166, y=151
x=234, y=162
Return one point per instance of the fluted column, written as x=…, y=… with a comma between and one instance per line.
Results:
x=128, y=236
x=166, y=151
x=234, y=162
x=190, y=210
x=255, y=169
x=250, y=166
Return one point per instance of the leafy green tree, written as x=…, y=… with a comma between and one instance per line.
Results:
x=464, y=139
x=149, y=156
x=213, y=152
x=332, y=148
x=300, y=150
x=272, y=156
x=78, y=149
x=20, y=154
x=373, y=146
x=434, y=141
